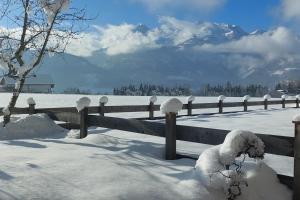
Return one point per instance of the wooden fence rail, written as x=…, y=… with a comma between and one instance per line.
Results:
x=151, y=108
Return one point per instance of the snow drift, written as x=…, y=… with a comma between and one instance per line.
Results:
x=29, y=126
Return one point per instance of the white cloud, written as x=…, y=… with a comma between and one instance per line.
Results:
x=124, y=39
x=290, y=9
x=278, y=43
x=180, y=31
x=203, y=5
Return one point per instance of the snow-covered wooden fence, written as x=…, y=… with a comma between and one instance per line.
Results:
x=94, y=116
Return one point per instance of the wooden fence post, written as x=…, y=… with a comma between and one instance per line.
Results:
x=171, y=136
x=190, y=105
x=31, y=109
x=297, y=101
x=83, y=122
x=151, y=110
x=245, y=106
x=296, y=187
x=101, y=111
x=220, y=105
x=31, y=106
x=221, y=98
x=152, y=100
x=266, y=104
x=170, y=108
x=246, y=98
x=283, y=103
x=103, y=100
x=266, y=98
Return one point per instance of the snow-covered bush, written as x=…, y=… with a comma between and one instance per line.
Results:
x=221, y=98
x=153, y=99
x=191, y=98
x=104, y=100
x=267, y=97
x=83, y=103
x=246, y=97
x=172, y=105
x=30, y=101
x=219, y=167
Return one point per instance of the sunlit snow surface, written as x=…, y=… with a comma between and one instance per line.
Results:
x=111, y=164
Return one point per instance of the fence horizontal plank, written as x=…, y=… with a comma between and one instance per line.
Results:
x=73, y=118
x=274, y=144
x=233, y=104
x=132, y=125
x=204, y=105
x=118, y=109
x=279, y=145
x=56, y=110
x=274, y=102
x=255, y=103
x=290, y=101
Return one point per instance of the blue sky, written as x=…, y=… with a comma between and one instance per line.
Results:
x=249, y=14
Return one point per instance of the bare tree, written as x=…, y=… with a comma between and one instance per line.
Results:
x=33, y=28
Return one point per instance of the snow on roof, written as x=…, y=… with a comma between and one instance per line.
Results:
x=39, y=79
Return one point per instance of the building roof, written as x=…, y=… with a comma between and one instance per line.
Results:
x=39, y=79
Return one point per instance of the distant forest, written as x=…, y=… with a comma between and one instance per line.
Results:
x=207, y=90
x=149, y=90
x=254, y=90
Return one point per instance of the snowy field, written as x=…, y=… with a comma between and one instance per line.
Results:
x=48, y=163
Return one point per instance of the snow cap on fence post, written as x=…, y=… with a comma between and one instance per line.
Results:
x=83, y=103
x=191, y=98
x=103, y=100
x=298, y=96
x=30, y=101
x=31, y=104
x=221, y=98
x=284, y=96
x=246, y=97
x=153, y=99
x=172, y=105
x=267, y=97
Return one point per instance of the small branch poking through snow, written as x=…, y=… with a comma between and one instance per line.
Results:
x=172, y=105
x=83, y=103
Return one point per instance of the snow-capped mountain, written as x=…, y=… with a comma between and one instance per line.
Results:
x=192, y=55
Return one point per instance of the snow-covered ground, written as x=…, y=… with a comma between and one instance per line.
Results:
x=111, y=164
